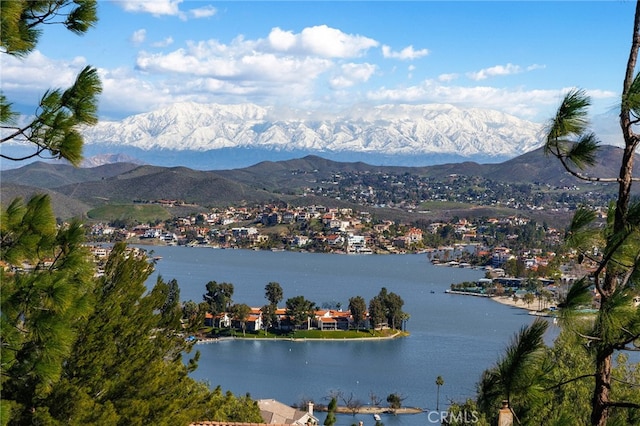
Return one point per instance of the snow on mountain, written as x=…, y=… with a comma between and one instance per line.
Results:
x=386, y=129
x=100, y=160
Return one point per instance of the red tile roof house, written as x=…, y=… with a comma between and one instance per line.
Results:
x=332, y=320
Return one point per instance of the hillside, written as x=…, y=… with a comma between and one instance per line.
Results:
x=64, y=207
x=77, y=190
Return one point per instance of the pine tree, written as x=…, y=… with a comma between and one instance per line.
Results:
x=127, y=368
x=616, y=275
x=54, y=128
x=45, y=297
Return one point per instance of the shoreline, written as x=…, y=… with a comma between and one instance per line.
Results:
x=397, y=335
x=508, y=301
x=503, y=300
x=368, y=409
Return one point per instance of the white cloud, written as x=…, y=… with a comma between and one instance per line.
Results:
x=602, y=94
x=535, y=67
x=531, y=104
x=447, y=77
x=138, y=37
x=125, y=92
x=498, y=70
x=281, y=40
x=211, y=59
x=203, y=12
x=163, y=43
x=166, y=8
x=321, y=41
x=333, y=43
x=33, y=75
x=154, y=7
x=352, y=74
x=501, y=70
x=408, y=53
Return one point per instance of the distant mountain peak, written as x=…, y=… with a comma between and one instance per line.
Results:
x=102, y=159
x=385, y=129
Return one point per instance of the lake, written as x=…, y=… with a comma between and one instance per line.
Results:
x=456, y=337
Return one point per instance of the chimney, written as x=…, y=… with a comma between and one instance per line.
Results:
x=310, y=408
x=505, y=416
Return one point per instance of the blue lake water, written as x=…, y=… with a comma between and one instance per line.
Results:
x=456, y=337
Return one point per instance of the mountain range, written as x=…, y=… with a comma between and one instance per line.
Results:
x=75, y=191
x=210, y=136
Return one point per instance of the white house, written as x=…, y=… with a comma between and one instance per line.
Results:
x=275, y=412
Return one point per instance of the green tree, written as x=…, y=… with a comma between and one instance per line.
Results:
x=515, y=268
x=330, y=420
x=54, y=128
x=194, y=315
x=299, y=310
x=240, y=312
x=358, y=309
x=22, y=21
x=617, y=259
x=42, y=306
x=269, y=317
x=273, y=293
x=393, y=305
x=517, y=378
x=528, y=298
x=218, y=296
x=139, y=376
x=376, y=312
x=395, y=401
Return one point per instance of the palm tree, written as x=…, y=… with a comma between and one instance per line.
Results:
x=439, y=382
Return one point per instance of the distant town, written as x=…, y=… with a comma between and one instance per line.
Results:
x=519, y=255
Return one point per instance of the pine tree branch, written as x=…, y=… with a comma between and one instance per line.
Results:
x=606, y=259
x=580, y=176
x=590, y=338
x=621, y=404
x=36, y=154
x=624, y=382
x=584, y=376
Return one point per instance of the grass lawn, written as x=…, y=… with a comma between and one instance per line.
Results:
x=309, y=334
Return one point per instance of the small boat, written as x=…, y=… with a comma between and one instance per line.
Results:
x=376, y=417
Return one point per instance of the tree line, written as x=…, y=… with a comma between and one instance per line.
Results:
x=384, y=309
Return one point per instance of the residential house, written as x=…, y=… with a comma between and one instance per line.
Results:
x=300, y=240
x=275, y=412
x=334, y=240
x=288, y=217
x=357, y=244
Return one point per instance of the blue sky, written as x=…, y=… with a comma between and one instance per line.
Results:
x=324, y=57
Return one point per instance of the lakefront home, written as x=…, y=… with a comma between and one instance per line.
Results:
x=274, y=413
x=324, y=319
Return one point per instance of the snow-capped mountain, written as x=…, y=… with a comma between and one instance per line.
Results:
x=101, y=160
x=404, y=130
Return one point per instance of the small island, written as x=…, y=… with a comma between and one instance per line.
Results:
x=217, y=317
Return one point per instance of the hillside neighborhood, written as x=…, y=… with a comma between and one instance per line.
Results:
x=518, y=255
